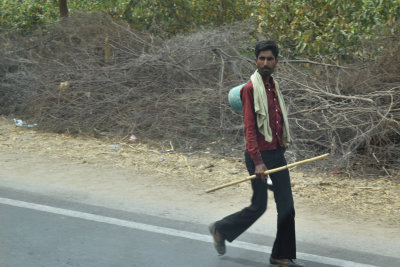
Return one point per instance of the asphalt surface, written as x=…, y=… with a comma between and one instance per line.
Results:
x=37, y=230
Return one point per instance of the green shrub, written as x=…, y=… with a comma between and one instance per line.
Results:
x=335, y=28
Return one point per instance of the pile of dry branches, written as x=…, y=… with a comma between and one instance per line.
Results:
x=92, y=75
x=352, y=112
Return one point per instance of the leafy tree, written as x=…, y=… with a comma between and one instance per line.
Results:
x=327, y=27
x=336, y=29
x=27, y=14
x=184, y=15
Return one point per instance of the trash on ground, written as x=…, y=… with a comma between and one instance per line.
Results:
x=20, y=123
x=114, y=147
x=132, y=139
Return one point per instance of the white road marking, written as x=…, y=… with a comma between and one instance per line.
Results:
x=172, y=232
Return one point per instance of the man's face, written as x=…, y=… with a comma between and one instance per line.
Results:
x=266, y=63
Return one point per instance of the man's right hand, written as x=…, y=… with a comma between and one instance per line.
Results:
x=259, y=172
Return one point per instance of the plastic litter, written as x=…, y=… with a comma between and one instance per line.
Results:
x=132, y=139
x=20, y=123
x=114, y=147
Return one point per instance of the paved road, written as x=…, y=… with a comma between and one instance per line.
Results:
x=37, y=230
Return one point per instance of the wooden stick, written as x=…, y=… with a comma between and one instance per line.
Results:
x=267, y=172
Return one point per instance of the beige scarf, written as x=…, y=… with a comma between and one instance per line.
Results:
x=261, y=109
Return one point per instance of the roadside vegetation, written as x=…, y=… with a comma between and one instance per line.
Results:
x=161, y=70
x=328, y=29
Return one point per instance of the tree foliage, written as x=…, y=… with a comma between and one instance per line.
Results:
x=328, y=27
x=27, y=14
x=186, y=15
x=337, y=29
x=168, y=16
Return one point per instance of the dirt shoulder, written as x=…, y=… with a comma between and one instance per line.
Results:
x=121, y=171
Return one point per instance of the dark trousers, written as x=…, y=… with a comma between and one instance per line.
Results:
x=235, y=224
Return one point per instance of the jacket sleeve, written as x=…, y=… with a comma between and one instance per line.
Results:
x=250, y=123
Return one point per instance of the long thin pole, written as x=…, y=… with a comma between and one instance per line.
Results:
x=267, y=172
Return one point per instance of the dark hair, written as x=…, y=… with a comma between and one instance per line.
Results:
x=267, y=45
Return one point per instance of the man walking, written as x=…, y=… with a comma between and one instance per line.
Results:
x=266, y=129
